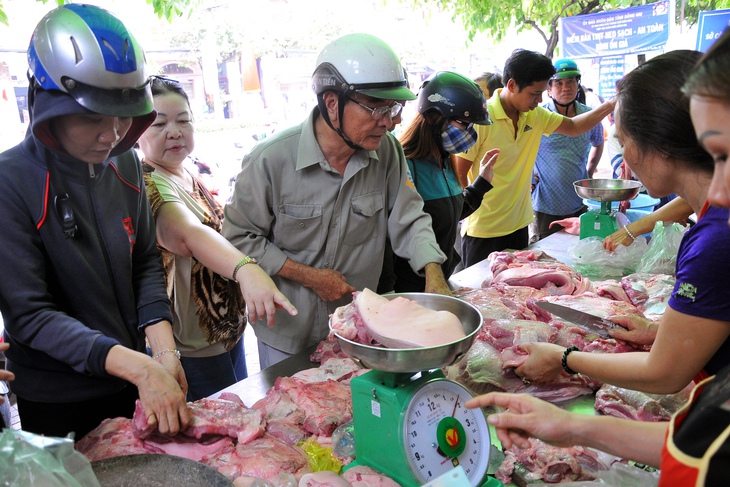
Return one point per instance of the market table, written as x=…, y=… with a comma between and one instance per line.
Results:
x=254, y=387
x=555, y=245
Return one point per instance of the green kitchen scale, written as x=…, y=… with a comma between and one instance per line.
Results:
x=602, y=223
x=410, y=422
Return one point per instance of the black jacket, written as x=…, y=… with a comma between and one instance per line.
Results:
x=66, y=301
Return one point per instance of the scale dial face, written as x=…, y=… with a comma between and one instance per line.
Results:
x=439, y=433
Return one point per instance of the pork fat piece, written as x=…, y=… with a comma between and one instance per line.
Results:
x=394, y=323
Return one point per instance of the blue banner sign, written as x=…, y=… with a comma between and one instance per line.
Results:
x=710, y=26
x=610, y=70
x=625, y=31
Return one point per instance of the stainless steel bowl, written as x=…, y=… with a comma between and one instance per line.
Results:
x=413, y=360
x=607, y=189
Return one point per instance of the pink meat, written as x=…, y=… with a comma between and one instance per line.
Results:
x=326, y=349
x=552, y=281
x=362, y=476
x=397, y=322
x=483, y=370
x=649, y=292
x=335, y=368
x=535, y=269
x=552, y=464
x=611, y=289
x=212, y=417
x=284, y=418
x=326, y=405
x=265, y=457
x=113, y=438
x=489, y=303
x=504, y=334
x=325, y=478
x=640, y=406
x=188, y=447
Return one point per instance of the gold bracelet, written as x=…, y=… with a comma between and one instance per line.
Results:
x=167, y=350
x=629, y=233
x=241, y=263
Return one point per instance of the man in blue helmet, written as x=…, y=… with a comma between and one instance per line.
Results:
x=83, y=289
x=314, y=204
x=563, y=159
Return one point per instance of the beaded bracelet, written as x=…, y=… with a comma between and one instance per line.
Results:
x=629, y=233
x=565, y=359
x=241, y=263
x=167, y=350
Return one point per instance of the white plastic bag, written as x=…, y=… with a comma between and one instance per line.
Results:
x=661, y=256
x=593, y=261
x=42, y=461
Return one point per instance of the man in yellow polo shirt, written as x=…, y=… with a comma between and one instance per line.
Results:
x=518, y=126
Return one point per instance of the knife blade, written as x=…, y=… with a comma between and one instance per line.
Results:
x=587, y=321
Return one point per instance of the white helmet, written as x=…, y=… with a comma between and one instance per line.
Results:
x=87, y=52
x=361, y=63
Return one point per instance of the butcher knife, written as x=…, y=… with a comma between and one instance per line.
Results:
x=587, y=321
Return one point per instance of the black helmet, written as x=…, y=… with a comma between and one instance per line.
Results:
x=453, y=96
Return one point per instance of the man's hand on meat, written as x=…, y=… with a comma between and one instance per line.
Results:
x=526, y=417
x=435, y=280
x=543, y=363
x=641, y=331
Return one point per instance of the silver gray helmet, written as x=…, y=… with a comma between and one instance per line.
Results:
x=87, y=52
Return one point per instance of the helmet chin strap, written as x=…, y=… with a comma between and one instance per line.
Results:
x=564, y=105
x=341, y=100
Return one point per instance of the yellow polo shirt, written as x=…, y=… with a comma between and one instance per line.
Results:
x=508, y=206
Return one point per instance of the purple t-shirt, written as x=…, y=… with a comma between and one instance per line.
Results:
x=703, y=270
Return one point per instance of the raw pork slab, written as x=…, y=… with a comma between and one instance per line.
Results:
x=113, y=438
x=649, y=292
x=264, y=457
x=395, y=323
x=640, y=406
x=535, y=269
x=326, y=405
x=552, y=464
x=226, y=416
x=362, y=476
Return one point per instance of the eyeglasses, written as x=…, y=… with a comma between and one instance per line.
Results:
x=379, y=112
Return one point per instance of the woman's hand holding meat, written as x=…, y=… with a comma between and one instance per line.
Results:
x=161, y=383
x=526, y=417
x=543, y=363
x=641, y=331
x=261, y=295
x=162, y=395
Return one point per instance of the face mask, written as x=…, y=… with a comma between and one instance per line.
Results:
x=456, y=140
